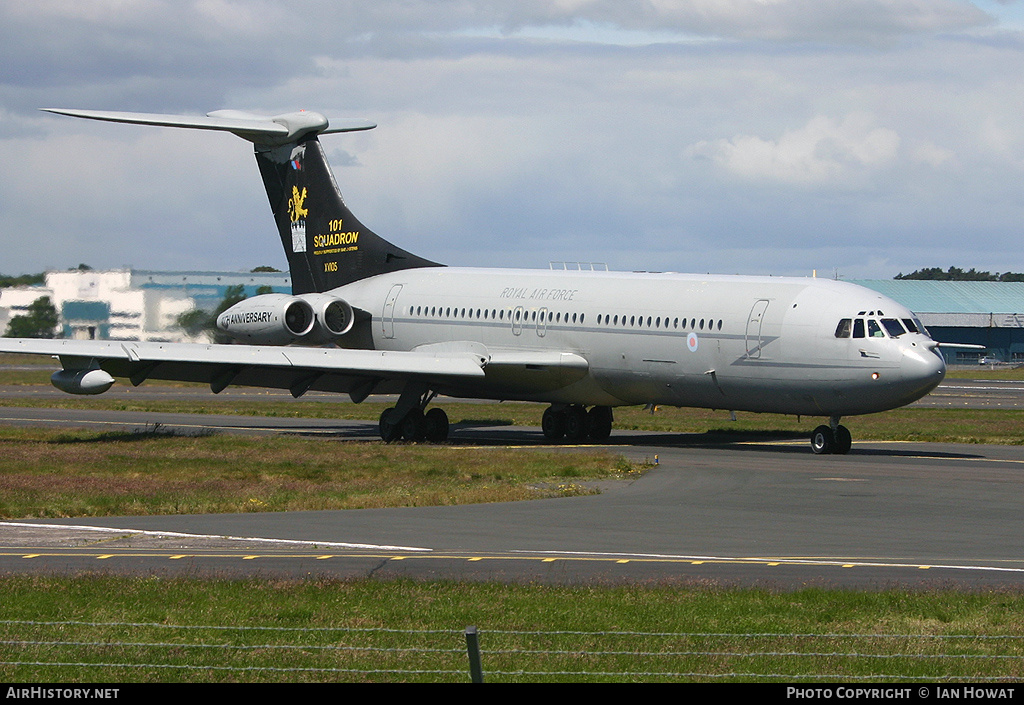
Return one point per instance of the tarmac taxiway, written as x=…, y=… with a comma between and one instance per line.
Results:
x=758, y=512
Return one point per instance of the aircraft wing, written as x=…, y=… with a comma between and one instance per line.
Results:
x=300, y=369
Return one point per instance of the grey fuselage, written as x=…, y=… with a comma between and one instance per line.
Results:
x=763, y=344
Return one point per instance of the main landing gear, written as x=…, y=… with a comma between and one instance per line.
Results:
x=575, y=423
x=831, y=439
x=417, y=426
x=408, y=421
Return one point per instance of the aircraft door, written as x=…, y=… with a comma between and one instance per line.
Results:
x=542, y=322
x=755, y=321
x=518, y=316
x=388, y=316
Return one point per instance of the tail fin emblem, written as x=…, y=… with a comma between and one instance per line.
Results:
x=295, y=209
x=298, y=215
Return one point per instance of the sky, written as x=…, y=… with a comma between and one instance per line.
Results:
x=848, y=138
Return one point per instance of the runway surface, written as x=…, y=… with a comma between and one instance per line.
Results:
x=976, y=394
x=755, y=513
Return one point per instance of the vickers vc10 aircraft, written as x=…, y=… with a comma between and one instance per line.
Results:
x=366, y=317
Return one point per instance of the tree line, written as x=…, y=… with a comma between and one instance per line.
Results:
x=961, y=275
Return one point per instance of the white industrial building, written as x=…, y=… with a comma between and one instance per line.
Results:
x=128, y=304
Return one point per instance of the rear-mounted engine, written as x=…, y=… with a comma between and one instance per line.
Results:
x=281, y=319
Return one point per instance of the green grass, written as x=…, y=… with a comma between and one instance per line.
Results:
x=47, y=473
x=987, y=372
x=376, y=631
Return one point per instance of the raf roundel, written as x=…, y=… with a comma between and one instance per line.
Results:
x=691, y=342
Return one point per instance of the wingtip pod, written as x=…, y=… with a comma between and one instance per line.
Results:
x=260, y=129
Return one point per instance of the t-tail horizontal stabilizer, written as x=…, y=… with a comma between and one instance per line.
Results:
x=274, y=130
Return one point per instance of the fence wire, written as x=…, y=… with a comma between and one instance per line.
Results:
x=107, y=651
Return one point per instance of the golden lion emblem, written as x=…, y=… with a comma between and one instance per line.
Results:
x=295, y=209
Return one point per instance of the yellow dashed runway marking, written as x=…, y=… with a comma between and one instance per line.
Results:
x=773, y=562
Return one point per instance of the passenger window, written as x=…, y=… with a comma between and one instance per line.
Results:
x=874, y=330
x=843, y=329
x=858, y=328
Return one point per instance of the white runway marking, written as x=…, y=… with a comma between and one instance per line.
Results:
x=174, y=534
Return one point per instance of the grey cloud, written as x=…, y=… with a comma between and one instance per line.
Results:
x=518, y=150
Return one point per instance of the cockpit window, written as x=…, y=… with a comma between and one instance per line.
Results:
x=874, y=330
x=843, y=329
x=893, y=327
x=858, y=328
x=910, y=325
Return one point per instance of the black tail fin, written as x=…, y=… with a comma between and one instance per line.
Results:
x=325, y=244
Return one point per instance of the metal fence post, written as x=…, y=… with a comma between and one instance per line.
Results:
x=476, y=671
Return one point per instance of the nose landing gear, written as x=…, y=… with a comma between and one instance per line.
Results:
x=831, y=439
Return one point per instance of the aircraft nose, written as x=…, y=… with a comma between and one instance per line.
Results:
x=922, y=370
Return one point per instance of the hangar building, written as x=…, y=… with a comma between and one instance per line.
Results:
x=974, y=312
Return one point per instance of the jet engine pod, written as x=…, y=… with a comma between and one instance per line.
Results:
x=334, y=318
x=268, y=319
x=89, y=381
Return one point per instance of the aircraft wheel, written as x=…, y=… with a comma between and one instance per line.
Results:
x=575, y=424
x=388, y=429
x=435, y=425
x=823, y=441
x=599, y=423
x=843, y=440
x=413, y=428
x=553, y=424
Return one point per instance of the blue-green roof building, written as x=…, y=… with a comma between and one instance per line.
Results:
x=976, y=313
